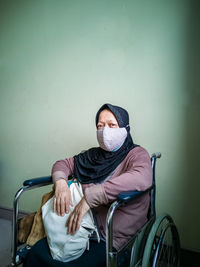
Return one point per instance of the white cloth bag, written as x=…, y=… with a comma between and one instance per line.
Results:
x=63, y=246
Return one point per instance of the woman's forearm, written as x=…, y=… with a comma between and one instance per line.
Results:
x=62, y=169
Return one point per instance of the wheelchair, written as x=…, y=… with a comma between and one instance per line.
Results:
x=156, y=244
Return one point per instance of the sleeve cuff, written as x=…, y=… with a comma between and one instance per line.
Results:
x=57, y=175
x=95, y=196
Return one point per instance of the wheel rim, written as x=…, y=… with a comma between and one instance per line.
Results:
x=162, y=246
x=166, y=254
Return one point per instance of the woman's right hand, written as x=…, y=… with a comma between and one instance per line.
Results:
x=62, y=198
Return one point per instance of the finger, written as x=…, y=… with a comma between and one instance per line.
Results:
x=54, y=204
x=68, y=203
x=71, y=204
x=69, y=223
x=66, y=207
x=70, y=200
x=73, y=227
x=58, y=206
x=62, y=207
x=76, y=223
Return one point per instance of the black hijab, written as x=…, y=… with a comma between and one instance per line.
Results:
x=96, y=164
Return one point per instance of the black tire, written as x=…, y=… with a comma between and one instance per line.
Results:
x=162, y=248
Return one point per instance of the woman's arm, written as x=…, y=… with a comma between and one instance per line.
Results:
x=135, y=173
x=75, y=218
x=60, y=172
x=62, y=169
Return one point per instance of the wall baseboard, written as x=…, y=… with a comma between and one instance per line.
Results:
x=189, y=257
x=7, y=213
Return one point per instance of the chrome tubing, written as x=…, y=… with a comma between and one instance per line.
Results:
x=111, y=260
x=155, y=156
x=15, y=225
x=15, y=219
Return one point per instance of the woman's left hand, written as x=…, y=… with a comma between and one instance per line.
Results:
x=75, y=218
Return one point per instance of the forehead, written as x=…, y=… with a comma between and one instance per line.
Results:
x=106, y=115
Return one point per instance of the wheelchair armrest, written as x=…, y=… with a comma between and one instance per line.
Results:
x=128, y=196
x=38, y=181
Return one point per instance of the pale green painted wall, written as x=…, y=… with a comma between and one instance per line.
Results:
x=61, y=60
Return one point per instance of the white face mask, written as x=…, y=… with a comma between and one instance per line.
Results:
x=111, y=139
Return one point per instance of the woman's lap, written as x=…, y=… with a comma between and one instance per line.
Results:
x=40, y=255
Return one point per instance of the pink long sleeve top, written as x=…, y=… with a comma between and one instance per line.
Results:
x=134, y=173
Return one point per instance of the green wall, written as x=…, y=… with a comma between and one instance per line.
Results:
x=61, y=60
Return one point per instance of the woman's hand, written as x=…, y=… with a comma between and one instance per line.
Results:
x=75, y=218
x=62, y=199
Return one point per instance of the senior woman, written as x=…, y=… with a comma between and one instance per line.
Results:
x=116, y=165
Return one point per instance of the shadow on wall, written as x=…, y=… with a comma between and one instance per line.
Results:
x=192, y=126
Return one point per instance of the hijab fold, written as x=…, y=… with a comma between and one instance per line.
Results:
x=96, y=164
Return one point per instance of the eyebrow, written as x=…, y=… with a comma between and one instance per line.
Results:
x=109, y=121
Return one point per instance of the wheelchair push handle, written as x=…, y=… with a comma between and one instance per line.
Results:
x=156, y=155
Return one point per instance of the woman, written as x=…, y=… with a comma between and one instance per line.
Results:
x=116, y=165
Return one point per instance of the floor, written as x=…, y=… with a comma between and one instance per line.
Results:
x=5, y=242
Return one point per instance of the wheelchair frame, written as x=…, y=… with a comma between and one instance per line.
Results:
x=122, y=199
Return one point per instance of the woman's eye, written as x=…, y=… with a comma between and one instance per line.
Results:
x=112, y=125
x=99, y=127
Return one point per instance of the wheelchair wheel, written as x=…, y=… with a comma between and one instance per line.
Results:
x=162, y=248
